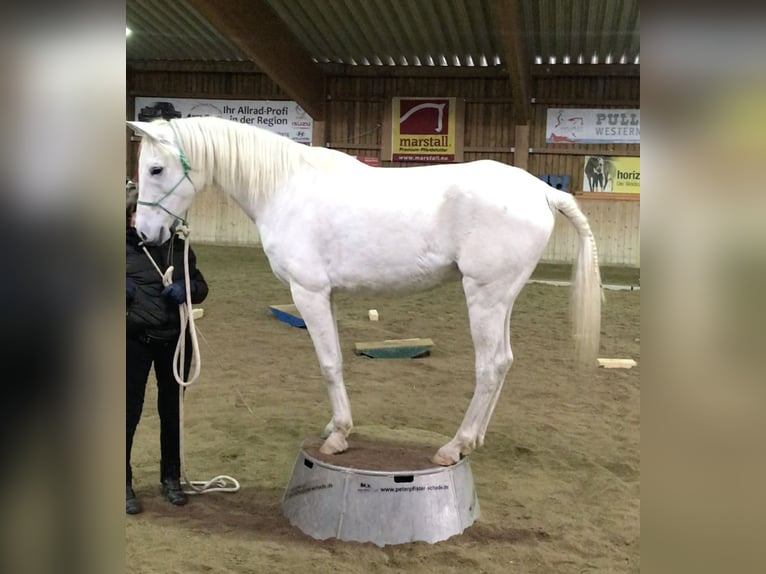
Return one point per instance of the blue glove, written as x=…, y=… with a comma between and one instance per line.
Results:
x=176, y=292
x=130, y=289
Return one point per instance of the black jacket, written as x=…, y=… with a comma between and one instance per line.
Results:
x=149, y=313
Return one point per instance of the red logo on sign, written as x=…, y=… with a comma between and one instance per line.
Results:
x=424, y=116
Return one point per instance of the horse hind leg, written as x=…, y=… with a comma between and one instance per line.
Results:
x=316, y=310
x=508, y=361
x=488, y=310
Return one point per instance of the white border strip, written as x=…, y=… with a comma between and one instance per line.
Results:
x=568, y=283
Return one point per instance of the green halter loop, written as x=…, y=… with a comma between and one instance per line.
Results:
x=187, y=168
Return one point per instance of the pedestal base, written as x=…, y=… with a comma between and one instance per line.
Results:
x=379, y=506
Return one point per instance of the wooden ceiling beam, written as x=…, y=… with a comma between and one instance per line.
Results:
x=261, y=34
x=194, y=66
x=332, y=69
x=579, y=70
x=510, y=19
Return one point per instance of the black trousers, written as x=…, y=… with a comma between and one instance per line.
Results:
x=140, y=355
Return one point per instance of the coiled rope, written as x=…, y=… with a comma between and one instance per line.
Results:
x=222, y=482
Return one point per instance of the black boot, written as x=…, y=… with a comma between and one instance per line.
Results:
x=132, y=504
x=171, y=488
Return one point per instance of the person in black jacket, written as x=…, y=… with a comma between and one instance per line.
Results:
x=153, y=328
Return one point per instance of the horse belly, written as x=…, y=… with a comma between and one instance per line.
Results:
x=390, y=265
x=359, y=250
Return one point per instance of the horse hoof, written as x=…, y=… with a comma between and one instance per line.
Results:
x=334, y=444
x=443, y=459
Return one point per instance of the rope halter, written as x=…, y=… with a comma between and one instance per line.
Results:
x=187, y=168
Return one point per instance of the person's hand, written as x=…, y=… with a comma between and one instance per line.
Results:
x=130, y=289
x=176, y=292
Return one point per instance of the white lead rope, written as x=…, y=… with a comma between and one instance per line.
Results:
x=222, y=482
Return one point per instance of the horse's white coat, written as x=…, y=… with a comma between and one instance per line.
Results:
x=329, y=222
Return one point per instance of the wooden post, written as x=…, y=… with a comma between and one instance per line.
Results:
x=521, y=146
x=459, y=128
x=131, y=157
x=319, y=133
x=385, y=141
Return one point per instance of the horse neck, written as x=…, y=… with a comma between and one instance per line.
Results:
x=250, y=177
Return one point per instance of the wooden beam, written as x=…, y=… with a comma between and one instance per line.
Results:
x=259, y=32
x=386, y=151
x=521, y=147
x=587, y=102
x=319, y=133
x=211, y=94
x=459, y=129
x=467, y=100
x=575, y=70
x=569, y=151
x=608, y=195
x=510, y=20
x=193, y=66
x=343, y=70
x=350, y=145
x=487, y=149
x=378, y=147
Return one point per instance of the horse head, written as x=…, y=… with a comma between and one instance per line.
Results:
x=599, y=164
x=165, y=186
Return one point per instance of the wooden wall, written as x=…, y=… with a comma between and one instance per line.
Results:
x=354, y=124
x=357, y=105
x=615, y=222
x=567, y=159
x=213, y=85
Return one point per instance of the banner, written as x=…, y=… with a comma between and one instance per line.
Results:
x=285, y=118
x=613, y=174
x=423, y=129
x=369, y=160
x=571, y=125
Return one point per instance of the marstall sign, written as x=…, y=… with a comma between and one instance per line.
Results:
x=285, y=118
x=570, y=125
x=423, y=129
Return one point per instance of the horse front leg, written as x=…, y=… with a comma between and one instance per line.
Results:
x=316, y=309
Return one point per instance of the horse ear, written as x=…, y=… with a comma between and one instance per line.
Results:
x=147, y=129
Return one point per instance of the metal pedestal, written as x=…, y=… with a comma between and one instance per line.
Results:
x=382, y=507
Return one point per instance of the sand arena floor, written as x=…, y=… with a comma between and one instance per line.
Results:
x=557, y=479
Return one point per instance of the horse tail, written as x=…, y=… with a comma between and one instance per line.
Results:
x=587, y=291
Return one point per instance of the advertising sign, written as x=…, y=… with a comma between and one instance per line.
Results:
x=613, y=174
x=285, y=118
x=374, y=161
x=571, y=125
x=423, y=129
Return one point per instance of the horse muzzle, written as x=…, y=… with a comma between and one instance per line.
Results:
x=153, y=235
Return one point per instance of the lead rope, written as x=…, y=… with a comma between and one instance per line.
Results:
x=222, y=482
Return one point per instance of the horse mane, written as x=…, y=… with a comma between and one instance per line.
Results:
x=246, y=159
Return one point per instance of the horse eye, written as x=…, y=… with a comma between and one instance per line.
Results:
x=155, y=170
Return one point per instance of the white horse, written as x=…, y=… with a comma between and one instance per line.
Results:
x=328, y=222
